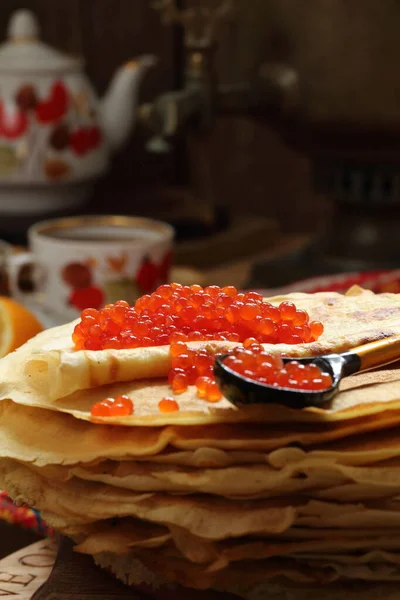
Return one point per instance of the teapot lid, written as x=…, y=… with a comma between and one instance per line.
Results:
x=24, y=52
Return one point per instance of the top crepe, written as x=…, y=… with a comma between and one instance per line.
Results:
x=47, y=372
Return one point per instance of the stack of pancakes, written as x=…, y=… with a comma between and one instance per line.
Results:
x=259, y=502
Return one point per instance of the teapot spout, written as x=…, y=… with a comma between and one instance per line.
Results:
x=118, y=107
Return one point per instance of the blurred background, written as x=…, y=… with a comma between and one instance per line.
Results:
x=278, y=156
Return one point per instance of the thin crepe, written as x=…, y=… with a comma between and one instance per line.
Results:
x=181, y=571
x=133, y=572
x=362, y=395
x=208, y=517
x=44, y=437
x=121, y=535
x=83, y=502
x=239, y=482
x=330, y=481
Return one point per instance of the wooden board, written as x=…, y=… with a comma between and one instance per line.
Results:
x=41, y=572
x=25, y=571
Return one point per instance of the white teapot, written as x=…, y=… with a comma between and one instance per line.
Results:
x=56, y=136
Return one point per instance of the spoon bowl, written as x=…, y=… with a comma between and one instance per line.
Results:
x=241, y=390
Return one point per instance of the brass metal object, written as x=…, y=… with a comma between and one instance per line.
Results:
x=200, y=23
x=192, y=110
x=275, y=89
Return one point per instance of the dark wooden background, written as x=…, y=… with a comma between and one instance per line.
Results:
x=346, y=54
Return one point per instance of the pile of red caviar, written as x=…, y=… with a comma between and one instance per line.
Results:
x=252, y=362
x=181, y=313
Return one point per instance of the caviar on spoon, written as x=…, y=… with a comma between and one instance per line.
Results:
x=254, y=377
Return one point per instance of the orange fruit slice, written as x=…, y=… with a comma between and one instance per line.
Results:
x=17, y=325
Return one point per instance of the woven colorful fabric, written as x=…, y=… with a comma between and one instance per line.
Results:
x=27, y=518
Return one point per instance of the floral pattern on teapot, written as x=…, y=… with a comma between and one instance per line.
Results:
x=47, y=134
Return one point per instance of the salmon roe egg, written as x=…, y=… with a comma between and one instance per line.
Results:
x=269, y=369
x=168, y=405
x=180, y=383
x=175, y=313
x=213, y=393
x=288, y=311
x=317, y=329
x=202, y=385
x=121, y=406
x=203, y=361
x=177, y=348
x=193, y=367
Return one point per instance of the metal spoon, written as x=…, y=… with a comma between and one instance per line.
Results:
x=241, y=390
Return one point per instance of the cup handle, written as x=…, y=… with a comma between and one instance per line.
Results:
x=15, y=264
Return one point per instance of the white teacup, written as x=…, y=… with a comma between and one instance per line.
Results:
x=86, y=262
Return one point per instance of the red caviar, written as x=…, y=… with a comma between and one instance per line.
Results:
x=201, y=385
x=177, y=313
x=269, y=369
x=168, y=405
x=180, y=382
x=121, y=406
x=193, y=367
x=213, y=391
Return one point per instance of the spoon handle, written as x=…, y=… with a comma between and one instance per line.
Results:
x=376, y=354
